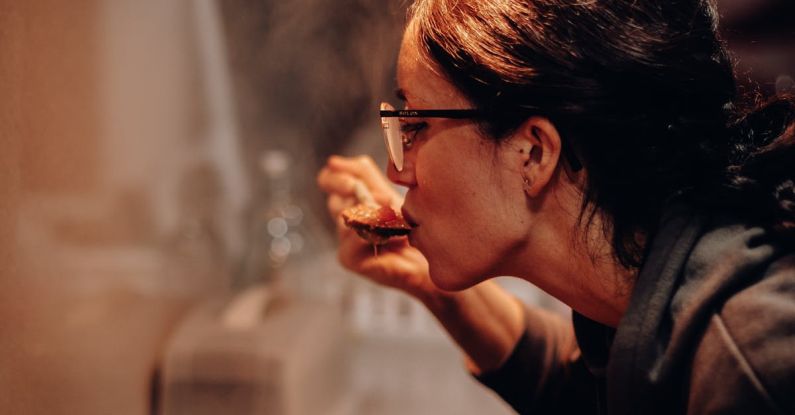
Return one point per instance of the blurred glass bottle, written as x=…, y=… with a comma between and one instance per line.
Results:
x=278, y=233
x=196, y=258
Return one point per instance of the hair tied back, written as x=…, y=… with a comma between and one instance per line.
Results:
x=762, y=167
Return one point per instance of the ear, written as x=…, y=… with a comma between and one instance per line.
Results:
x=539, y=145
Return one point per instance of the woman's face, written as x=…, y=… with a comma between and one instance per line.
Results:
x=465, y=192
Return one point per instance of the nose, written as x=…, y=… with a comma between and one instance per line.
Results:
x=405, y=177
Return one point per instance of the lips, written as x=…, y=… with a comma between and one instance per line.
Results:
x=407, y=216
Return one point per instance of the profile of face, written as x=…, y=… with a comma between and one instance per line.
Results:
x=465, y=192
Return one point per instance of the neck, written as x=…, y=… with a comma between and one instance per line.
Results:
x=580, y=272
x=597, y=289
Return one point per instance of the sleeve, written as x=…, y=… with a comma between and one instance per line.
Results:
x=546, y=373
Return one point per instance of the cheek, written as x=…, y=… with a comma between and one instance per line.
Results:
x=468, y=216
x=451, y=183
x=466, y=185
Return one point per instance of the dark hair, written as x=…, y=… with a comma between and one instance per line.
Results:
x=643, y=93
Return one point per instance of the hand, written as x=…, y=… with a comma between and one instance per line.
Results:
x=397, y=264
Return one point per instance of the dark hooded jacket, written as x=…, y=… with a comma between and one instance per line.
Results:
x=710, y=329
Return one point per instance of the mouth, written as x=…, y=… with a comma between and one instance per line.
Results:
x=408, y=218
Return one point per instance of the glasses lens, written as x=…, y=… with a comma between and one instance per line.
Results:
x=392, y=139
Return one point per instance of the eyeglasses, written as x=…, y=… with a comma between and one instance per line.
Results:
x=397, y=139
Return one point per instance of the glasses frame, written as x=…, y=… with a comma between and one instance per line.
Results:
x=456, y=114
x=397, y=160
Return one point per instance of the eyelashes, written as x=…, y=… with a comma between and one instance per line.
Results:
x=409, y=131
x=412, y=127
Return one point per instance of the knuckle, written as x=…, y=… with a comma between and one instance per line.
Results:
x=365, y=162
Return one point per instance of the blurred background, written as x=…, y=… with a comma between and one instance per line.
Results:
x=163, y=247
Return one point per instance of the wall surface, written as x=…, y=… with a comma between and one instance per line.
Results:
x=97, y=106
x=10, y=23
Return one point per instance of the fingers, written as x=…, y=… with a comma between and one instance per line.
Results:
x=364, y=168
x=334, y=182
x=351, y=247
x=336, y=204
x=340, y=179
x=353, y=250
x=347, y=185
x=353, y=164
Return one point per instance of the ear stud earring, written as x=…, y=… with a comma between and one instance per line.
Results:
x=526, y=184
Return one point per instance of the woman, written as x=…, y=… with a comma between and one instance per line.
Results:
x=605, y=156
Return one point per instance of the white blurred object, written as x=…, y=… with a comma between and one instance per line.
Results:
x=274, y=163
x=289, y=360
x=376, y=311
x=247, y=308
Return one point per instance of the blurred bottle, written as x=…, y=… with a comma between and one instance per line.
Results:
x=278, y=233
x=196, y=258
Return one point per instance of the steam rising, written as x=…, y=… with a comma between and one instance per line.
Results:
x=309, y=75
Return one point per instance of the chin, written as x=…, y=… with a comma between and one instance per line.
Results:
x=448, y=279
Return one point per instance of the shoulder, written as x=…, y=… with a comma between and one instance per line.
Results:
x=746, y=359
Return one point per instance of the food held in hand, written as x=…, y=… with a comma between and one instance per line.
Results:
x=375, y=224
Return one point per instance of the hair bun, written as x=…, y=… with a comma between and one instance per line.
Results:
x=763, y=169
